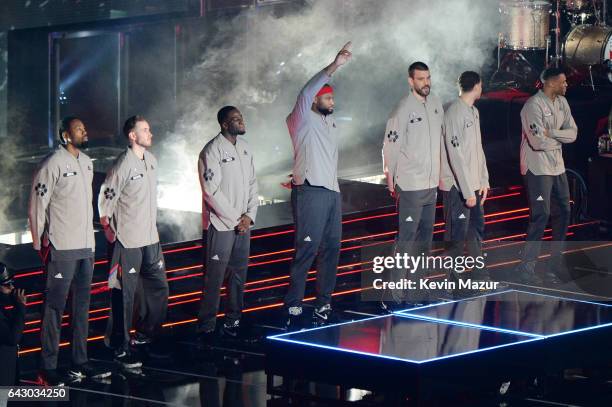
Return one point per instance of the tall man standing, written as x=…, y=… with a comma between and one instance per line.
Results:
x=464, y=180
x=547, y=124
x=411, y=163
x=128, y=212
x=229, y=206
x=315, y=194
x=61, y=222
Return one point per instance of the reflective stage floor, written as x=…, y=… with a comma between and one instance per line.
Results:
x=497, y=334
x=449, y=347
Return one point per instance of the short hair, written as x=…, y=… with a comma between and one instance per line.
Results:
x=417, y=66
x=550, y=73
x=130, y=124
x=223, y=113
x=65, y=126
x=467, y=80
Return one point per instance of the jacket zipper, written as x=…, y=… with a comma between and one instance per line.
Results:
x=429, y=133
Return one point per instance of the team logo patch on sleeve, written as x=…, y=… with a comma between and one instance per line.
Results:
x=209, y=174
x=454, y=140
x=41, y=189
x=393, y=136
x=109, y=193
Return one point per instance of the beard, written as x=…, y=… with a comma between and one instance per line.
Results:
x=424, y=91
x=236, y=132
x=82, y=145
x=324, y=111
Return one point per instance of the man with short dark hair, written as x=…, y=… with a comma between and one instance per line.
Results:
x=411, y=163
x=229, y=206
x=128, y=213
x=547, y=124
x=315, y=193
x=464, y=179
x=61, y=222
x=12, y=322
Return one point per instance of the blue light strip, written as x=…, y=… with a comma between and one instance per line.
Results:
x=469, y=324
x=408, y=314
x=357, y=352
x=405, y=313
x=565, y=298
x=588, y=328
x=481, y=350
x=327, y=326
x=315, y=345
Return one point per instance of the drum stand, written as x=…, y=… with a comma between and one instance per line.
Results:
x=518, y=71
x=514, y=71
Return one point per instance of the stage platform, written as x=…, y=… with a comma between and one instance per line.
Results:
x=369, y=228
x=177, y=373
x=413, y=354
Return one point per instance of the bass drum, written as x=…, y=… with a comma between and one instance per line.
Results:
x=588, y=47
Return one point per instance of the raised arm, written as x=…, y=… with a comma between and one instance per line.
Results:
x=307, y=95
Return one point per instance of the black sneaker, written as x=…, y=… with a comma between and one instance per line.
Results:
x=322, y=315
x=530, y=278
x=527, y=275
x=127, y=360
x=231, y=328
x=80, y=372
x=294, y=319
x=140, y=339
x=49, y=378
x=551, y=278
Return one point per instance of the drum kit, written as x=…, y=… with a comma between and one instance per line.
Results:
x=581, y=42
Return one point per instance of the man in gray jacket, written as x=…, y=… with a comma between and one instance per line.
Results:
x=61, y=223
x=229, y=206
x=315, y=194
x=464, y=179
x=128, y=212
x=411, y=163
x=547, y=124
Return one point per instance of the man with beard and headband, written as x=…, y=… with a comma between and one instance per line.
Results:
x=12, y=322
x=411, y=163
x=128, y=213
x=315, y=193
x=61, y=223
x=464, y=180
x=547, y=124
x=229, y=206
